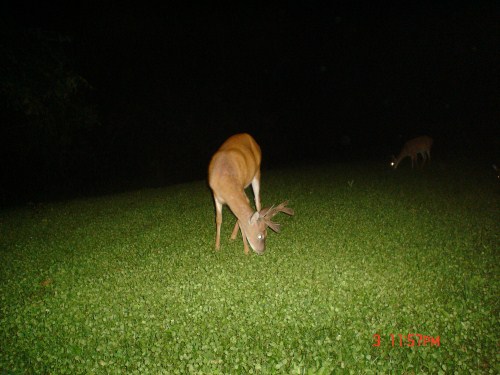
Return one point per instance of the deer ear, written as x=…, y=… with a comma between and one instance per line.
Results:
x=254, y=218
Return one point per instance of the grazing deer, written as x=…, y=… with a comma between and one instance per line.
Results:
x=420, y=145
x=232, y=169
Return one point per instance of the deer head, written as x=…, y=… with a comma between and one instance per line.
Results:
x=256, y=232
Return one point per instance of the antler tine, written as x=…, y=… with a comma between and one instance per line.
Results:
x=274, y=226
x=267, y=214
x=272, y=211
x=286, y=210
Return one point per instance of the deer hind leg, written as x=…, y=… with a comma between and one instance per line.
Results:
x=218, y=221
x=417, y=161
x=256, y=190
x=424, y=158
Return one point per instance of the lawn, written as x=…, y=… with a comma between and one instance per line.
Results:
x=131, y=283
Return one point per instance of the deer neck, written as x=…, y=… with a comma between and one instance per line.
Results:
x=239, y=205
x=400, y=157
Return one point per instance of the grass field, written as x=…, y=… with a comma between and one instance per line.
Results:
x=130, y=283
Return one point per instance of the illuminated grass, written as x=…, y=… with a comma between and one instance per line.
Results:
x=131, y=284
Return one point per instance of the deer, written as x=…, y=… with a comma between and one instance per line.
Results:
x=233, y=168
x=420, y=145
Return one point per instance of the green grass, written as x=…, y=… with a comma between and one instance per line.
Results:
x=130, y=283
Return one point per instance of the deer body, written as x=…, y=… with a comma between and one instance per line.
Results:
x=232, y=169
x=420, y=145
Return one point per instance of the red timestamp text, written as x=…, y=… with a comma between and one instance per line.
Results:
x=409, y=340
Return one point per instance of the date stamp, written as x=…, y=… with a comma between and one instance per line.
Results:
x=409, y=340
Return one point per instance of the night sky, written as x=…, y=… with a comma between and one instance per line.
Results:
x=350, y=80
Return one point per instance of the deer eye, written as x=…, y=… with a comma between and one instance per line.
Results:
x=260, y=236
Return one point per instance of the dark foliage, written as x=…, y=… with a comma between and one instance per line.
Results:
x=49, y=122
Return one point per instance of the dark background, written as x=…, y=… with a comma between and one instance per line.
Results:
x=106, y=96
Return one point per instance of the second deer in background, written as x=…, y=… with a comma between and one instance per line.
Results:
x=420, y=145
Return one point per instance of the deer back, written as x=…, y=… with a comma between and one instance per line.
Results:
x=235, y=164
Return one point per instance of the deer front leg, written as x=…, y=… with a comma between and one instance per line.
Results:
x=235, y=230
x=245, y=242
x=244, y=237
x=256, y=190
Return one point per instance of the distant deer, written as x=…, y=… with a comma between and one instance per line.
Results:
x=420, y=145
x=232, y=169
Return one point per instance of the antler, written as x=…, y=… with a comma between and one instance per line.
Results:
x=268, y=213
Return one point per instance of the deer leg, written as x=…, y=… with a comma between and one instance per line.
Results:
x=245, y=243
x=244, y=237
x=235, y=230
x=256, y=190
x=218, y=221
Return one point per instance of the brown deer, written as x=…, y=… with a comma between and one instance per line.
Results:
x=420, y=145
x=232, y=169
